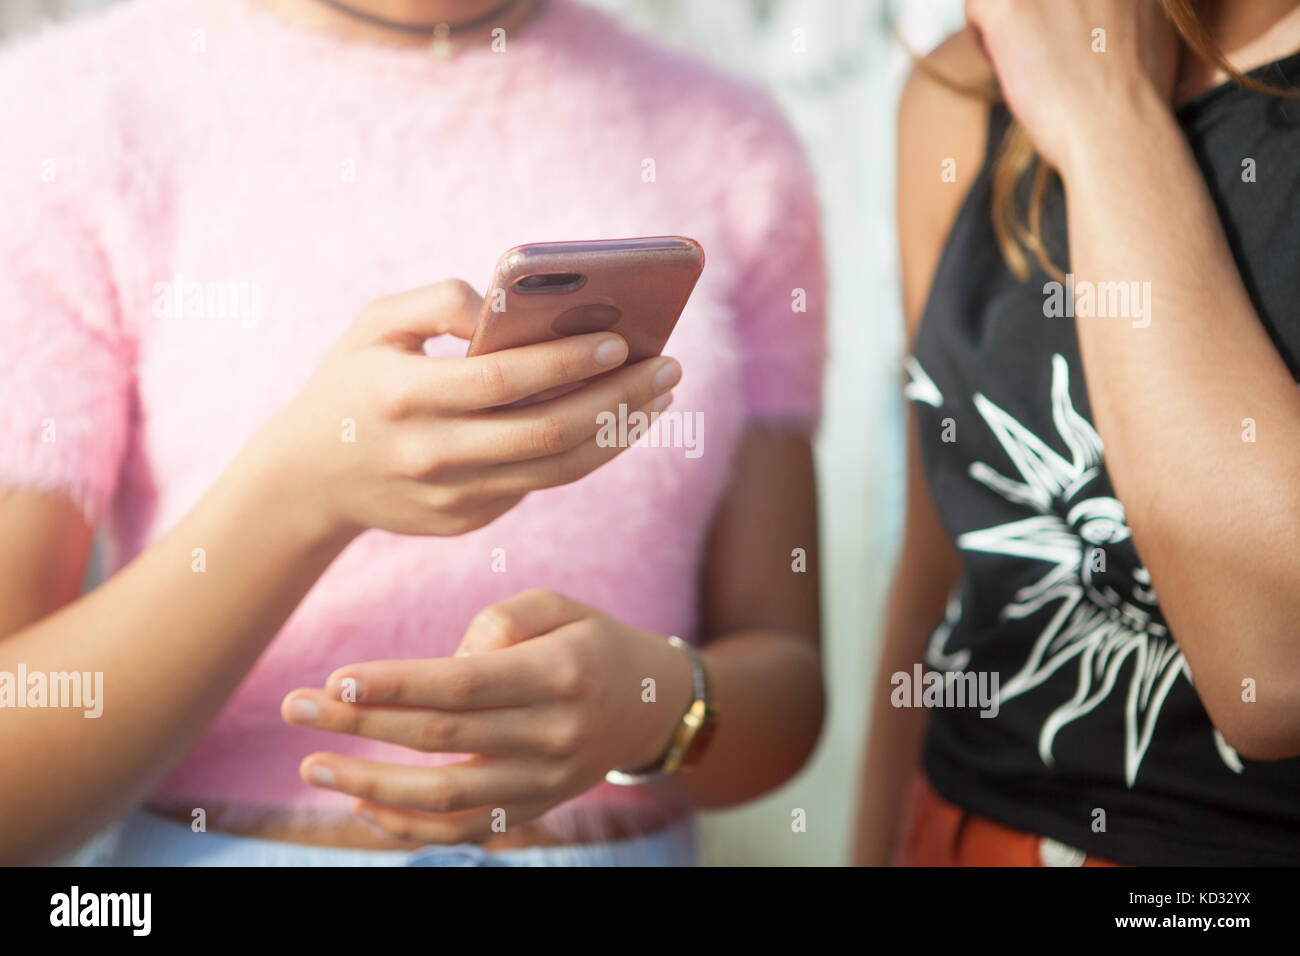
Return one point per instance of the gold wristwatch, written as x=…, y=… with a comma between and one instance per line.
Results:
x=693, y=734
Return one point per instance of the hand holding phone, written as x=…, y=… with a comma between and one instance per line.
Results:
x=437, y=446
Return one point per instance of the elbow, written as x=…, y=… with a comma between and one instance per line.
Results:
x=1249, y=681
x=1264, y=743
x=1260, y=719
x=807, y=712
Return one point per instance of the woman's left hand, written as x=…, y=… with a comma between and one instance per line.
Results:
x=1061, y=78
x=545, y=694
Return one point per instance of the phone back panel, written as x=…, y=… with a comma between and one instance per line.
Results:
x=635, y=287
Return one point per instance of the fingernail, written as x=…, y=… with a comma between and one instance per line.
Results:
x=305, y=710
x=661, y=402
x=351, y=690
x=321, y=776
x=609, y=352
x=668, y=375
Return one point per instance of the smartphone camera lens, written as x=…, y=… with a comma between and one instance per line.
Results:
x=549, y=282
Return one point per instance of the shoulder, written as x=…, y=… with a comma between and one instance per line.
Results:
x=946, y=97
x=943, y=120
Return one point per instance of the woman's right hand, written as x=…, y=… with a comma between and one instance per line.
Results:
x=385, y=436
x=1070, y=69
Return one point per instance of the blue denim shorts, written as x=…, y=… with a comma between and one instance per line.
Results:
x=146, y=839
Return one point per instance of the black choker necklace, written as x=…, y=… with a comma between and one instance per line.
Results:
x=442, y=32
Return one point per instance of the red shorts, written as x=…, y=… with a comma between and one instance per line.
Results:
x=939, y=833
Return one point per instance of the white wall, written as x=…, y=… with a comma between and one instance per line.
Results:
x=16, y=15
x=840, y=92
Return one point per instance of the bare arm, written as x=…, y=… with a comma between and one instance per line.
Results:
x=171, y=644
x=935, y=124
x=440, y=451
x=44, y=547
x=1215, y=517
x=927, y=568
x=763, y=624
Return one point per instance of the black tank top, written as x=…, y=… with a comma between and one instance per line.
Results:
x=1100, y=740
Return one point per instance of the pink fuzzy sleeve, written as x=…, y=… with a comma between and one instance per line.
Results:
x=780, y=295
x=65, y=372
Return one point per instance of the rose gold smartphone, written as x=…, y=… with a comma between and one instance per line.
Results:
x=545, y=291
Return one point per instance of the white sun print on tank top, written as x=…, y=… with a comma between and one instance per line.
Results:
x=1103, y=624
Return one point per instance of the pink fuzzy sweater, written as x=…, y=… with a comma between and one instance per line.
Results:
x=198, y=197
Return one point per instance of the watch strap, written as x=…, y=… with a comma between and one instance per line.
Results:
x=693, y=731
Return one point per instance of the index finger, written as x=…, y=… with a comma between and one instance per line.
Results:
x=504, y=678
x=519, y=618
x=501, y=378
x=449, y=307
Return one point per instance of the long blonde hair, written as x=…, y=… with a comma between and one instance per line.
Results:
x=1020, y=235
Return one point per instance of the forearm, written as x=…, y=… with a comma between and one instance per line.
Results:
x=892, y=756
x=890, y=763
x=171, y=642
x=768, y=689
x=1216, y=517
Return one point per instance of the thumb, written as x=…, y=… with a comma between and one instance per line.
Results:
x=450, y=307
x=527, y=615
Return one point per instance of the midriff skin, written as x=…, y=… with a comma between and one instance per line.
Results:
x=347, y=831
